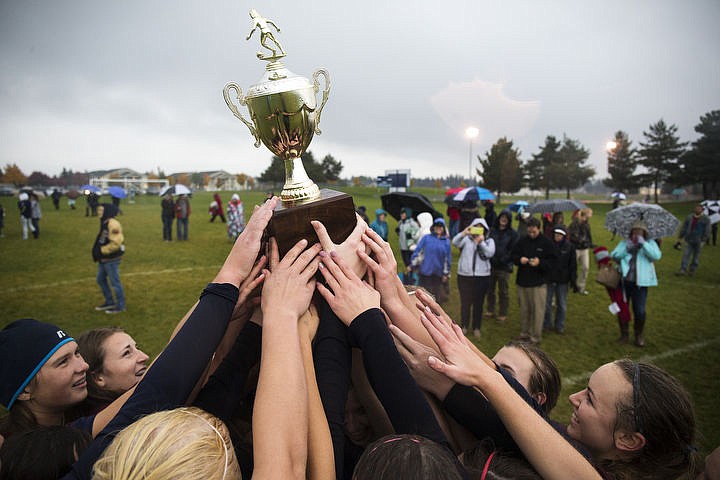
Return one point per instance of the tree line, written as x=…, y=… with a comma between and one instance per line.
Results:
x=561, y=164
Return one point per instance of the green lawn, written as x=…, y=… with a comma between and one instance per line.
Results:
x=53, y=279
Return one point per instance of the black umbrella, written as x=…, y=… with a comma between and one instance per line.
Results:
x=394, y=202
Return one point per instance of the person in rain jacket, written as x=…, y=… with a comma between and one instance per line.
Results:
x=434, y=268
x=380, y=226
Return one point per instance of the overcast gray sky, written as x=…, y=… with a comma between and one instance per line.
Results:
x=89, y=84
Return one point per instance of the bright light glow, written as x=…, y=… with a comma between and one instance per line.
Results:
x=611, y=145
x=471, y=132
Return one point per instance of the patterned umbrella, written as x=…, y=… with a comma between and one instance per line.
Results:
x=660, y=222
x=712, y=210
x=555, y=205
x=619, y=195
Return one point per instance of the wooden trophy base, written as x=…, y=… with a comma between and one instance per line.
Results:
x=290, y=224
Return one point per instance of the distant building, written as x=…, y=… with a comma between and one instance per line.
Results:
x=126, y=178
x=210, y=180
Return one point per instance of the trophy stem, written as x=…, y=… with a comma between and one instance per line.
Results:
x=298, y=187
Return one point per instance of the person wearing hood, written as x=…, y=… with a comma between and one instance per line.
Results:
x=107, y=251
x=380, y=226
x=636, y=256
x=476, y=250
x=502, y=266
x=235, y=217
x=559, y=280
x=25, y=214
x=434, y=256
x=408, y=232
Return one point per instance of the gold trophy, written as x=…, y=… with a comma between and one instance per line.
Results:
x=285, y=116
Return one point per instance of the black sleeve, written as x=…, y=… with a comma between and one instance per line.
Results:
x=223, y=390
x=474, y=412
x=390, y=378
x=333, y=360
x=174, y=373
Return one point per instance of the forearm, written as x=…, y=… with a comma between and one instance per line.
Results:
x=320, y=461
x=279, y=423
x=546, y=450
x=404, y=315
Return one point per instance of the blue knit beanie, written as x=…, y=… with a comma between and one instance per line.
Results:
x=25, y=346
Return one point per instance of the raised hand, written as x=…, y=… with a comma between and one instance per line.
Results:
x=383, y=268
x=415, y=355
x=347, y=295
x=289, y=284
x=461, y=364
x=348, y=248
x=239, y=262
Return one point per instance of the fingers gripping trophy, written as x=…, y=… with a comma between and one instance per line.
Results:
x=284, y=116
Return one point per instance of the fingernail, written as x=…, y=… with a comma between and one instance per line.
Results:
x=322, y=253
x=321, y=266
x=423, y=317
x=333, y=254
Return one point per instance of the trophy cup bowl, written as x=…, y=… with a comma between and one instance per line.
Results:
x=284, y=116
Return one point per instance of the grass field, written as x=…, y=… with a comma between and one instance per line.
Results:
x=53, y=279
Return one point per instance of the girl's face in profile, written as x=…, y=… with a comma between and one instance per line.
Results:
x=123, y=364
x=60, y=383
x=594, y=415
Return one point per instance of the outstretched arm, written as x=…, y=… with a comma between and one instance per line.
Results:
x=280, y=424
x=548, y=452
x=320, y=461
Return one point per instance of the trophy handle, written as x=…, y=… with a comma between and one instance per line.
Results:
x=326, y=92
x=236, y=111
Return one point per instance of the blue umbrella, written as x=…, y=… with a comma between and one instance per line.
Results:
x=90, y=188
x=473, y=194
x=519, y=205
x=117, y=192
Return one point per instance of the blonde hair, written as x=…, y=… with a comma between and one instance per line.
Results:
x=185, y=443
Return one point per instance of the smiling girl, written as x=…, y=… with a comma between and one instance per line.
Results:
x=115, y=362
x=42, y=375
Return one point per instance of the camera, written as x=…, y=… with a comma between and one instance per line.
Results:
x=477, y=231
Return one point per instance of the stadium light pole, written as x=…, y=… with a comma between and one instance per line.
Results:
x=471, y=133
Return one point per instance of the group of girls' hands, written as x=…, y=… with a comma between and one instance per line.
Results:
x=289, y=283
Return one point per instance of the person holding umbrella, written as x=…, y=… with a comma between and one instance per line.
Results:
x=167, y=215
x=637, y=256
x=408, y=232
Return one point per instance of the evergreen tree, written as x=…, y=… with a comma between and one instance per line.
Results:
x=331, y=168
x=542, y=170
x=275, y=173
x=659, y=153
x=701, y=164
x=571, y=171
x=501, y=170
x=622, y=163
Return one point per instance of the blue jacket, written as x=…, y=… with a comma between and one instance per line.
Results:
x=381, y=228
x=697, y=234
x=437, y=255
x=648, y=253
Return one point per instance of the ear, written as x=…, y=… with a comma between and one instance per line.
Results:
x=540, y=397
x=629, y=442
x=25, y=395
x=99, y=379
